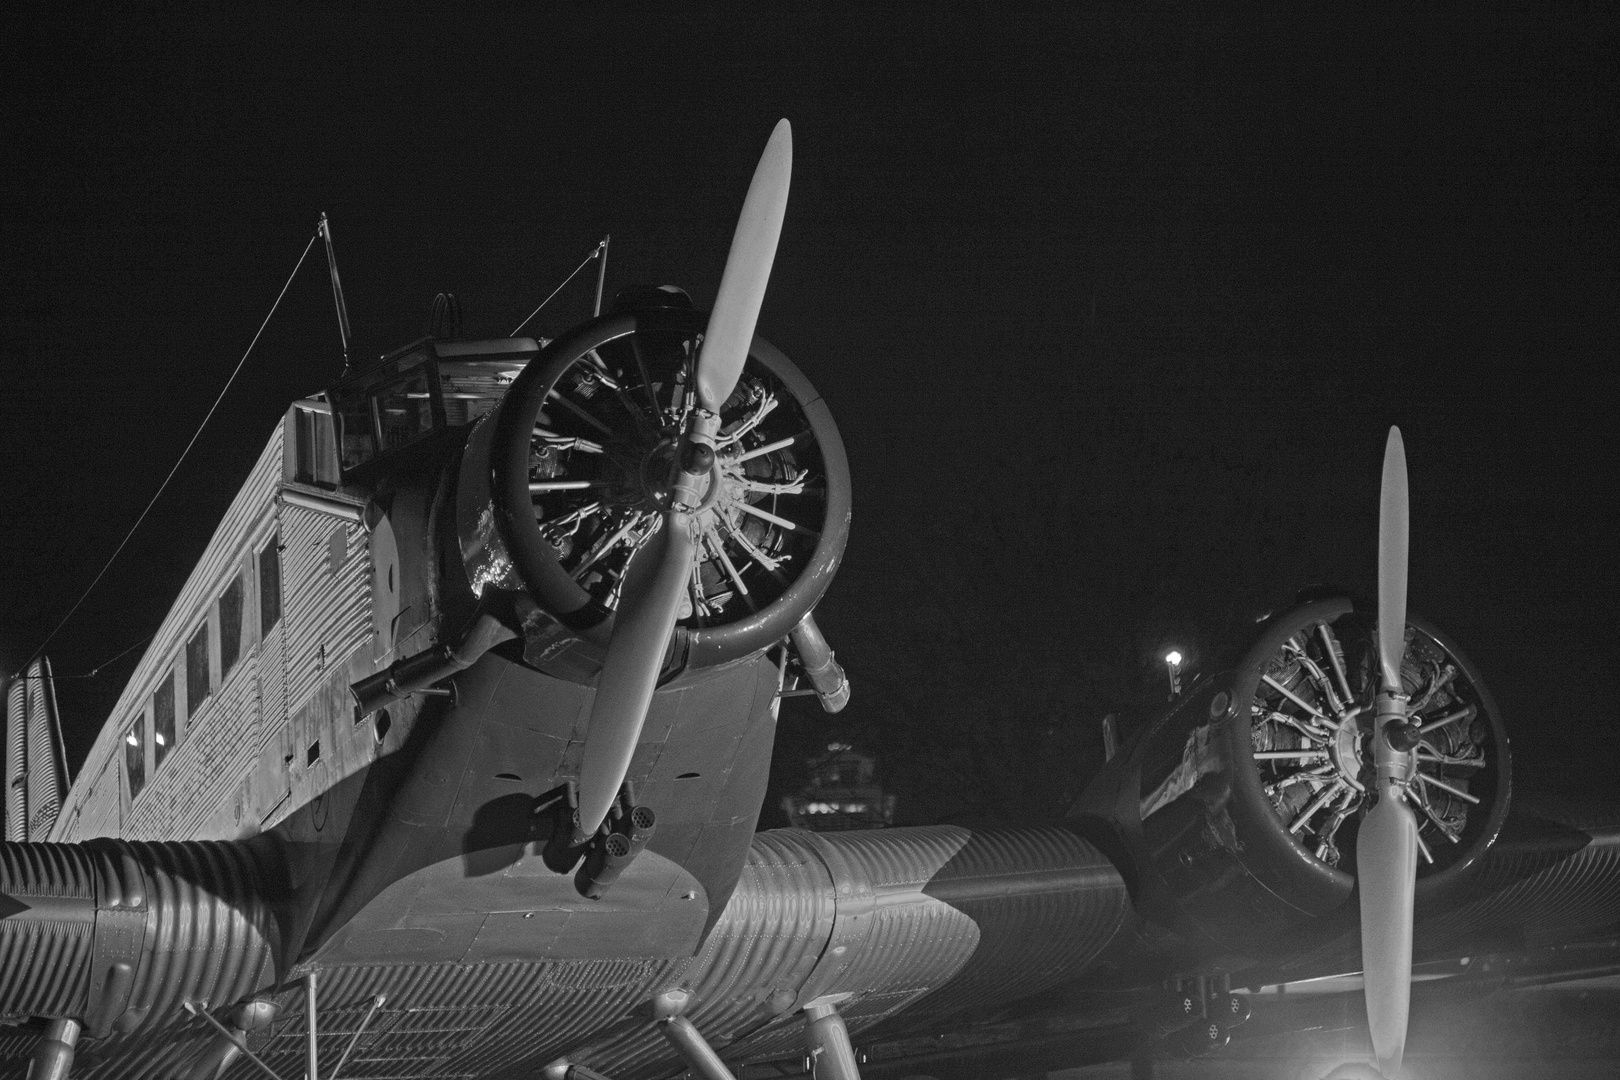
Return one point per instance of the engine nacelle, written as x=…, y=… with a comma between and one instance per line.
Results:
x=1234, y=814
x=563, y=482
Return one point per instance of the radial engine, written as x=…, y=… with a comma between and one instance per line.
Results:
x=1234, y=815
x=564, y=476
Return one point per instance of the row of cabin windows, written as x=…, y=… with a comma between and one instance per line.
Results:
x=231, y=605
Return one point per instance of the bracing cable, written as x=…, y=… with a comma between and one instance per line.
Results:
x=163, y=486
x=596, y=251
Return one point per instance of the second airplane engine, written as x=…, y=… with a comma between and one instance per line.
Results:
x=1234, y=814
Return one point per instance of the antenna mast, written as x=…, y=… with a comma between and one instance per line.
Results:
x=601, y=273
x=337, y=288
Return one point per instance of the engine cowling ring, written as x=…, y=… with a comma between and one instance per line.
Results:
x=789, y=567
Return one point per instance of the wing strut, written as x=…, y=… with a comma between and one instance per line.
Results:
x=827, y=1040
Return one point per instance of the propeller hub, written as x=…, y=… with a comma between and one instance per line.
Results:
x=1393, y=754
x=664, y=485
x=1402, y=736
x=1346, y=753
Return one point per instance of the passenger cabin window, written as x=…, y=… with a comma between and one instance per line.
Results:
x=230, y=628
x=269, y=587
x=162, y=721
x=135, y=756
x=314, y=445
x=197, y=682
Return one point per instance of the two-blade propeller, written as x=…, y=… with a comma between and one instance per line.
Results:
x=656, y=579
x=1387, y=844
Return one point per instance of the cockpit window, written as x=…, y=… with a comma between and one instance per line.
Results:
x=385, y=409
x=357, y=431
x=471, y=388
x=429, y=386
x=404, y=411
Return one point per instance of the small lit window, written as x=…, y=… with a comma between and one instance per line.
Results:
x=162, y=720
x=230, y=628
x=135, y=757
x=198, y=683
x=269, y=587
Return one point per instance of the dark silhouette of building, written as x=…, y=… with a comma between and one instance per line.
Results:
x=843, y=793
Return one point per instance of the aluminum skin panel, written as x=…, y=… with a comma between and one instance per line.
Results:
x=47, y=767
x=16, y=796
x=940, y=917
x=35, y=767
x=326, y=582
x=245, y=524
x=47, y=923
x=186, y=921
x=200, y=775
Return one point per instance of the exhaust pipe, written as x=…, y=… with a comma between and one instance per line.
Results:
x=416, y=673
x=610, y=855
x=816, y=657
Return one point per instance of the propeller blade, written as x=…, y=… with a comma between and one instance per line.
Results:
x=1393, y=517
x=748, y=268
x=655, y=582
x=1386, y=866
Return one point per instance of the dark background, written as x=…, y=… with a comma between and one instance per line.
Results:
x=1113, y=310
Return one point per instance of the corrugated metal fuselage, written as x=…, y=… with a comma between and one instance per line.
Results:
x=412, y=846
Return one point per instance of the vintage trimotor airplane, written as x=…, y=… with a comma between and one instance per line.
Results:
x=448, y=759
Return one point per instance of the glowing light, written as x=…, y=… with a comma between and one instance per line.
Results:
x=1173, y=658
x=131, y=739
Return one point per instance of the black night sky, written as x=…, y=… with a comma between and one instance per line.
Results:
x=1113, y=311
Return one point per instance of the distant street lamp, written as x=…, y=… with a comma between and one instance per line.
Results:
x=1172, y=663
